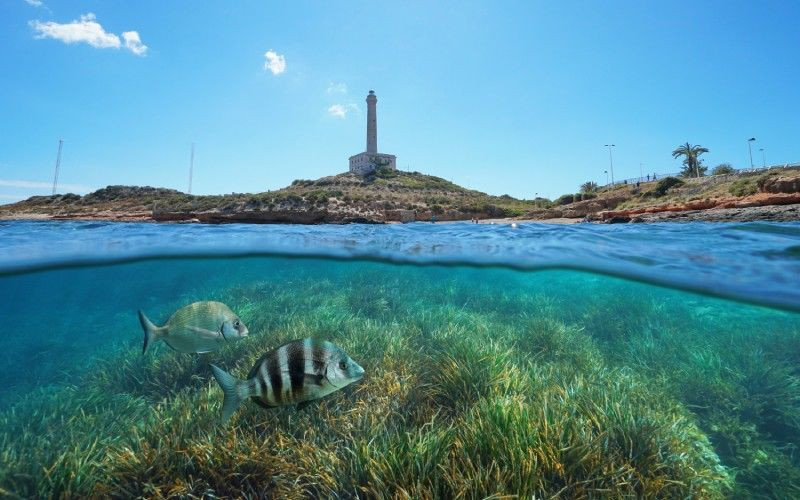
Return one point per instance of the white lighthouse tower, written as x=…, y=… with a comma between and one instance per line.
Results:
x=366, y=162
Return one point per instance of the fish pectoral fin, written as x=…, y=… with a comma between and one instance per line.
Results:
x=202, y=332
x=313, y=379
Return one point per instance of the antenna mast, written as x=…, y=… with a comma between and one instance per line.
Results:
x=191, y=167
x=58, y=165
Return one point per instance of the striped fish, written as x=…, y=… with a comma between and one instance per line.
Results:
x=294, y=373
x=199, y=327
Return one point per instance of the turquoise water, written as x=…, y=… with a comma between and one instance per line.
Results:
x=538, y=360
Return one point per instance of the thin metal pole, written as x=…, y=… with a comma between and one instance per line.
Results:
x=750, y=150
x=58, y=165
x=611, y=161
x=191, y=167
x=763, y=158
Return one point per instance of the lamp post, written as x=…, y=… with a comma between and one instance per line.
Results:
x=611, y=161
x=763, y=158
x=750, y=149
x=606, y=172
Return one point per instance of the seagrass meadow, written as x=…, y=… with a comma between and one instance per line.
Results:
x=479, y=382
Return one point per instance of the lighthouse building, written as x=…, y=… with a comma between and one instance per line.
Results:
x=366, y=162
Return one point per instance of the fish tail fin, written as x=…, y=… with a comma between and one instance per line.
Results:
x=230, y=387
x=151, y=331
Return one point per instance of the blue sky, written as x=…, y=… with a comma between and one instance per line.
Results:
x=503, y=97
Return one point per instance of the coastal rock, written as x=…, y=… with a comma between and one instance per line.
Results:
x=771, y=213
x=758, y=200
x=578, y=209
x=782, y=184
x=288, y=216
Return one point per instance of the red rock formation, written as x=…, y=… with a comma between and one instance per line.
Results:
x=756, y=200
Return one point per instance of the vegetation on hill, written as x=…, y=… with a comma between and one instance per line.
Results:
x=372, y=196
x=389, y=195
x=672, y=191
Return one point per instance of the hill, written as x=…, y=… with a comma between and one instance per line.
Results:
x=385, y=196
x=772, y=194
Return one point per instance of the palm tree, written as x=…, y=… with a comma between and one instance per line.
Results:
x=588, y=187
x=692, y=163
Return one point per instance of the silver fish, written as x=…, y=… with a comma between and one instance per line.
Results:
x=197, y=328
x=294, y=373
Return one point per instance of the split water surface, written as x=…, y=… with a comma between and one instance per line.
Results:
x=585, y=361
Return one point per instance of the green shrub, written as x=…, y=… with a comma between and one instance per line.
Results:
x=665, y=185
x=722, y=169
x=385, y=173
x=743, y=187
x=565, y=199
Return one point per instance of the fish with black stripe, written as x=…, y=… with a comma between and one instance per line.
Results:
x=294, y=373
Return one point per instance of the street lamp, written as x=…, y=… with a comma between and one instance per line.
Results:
x=606, y=172
x=763, y=158
x=750, y=149
x=611, y=161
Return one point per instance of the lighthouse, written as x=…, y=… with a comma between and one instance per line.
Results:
x=368, y=161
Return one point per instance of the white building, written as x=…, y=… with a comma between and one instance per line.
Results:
x=369, y=160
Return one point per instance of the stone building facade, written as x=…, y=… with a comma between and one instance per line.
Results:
x=369, y=160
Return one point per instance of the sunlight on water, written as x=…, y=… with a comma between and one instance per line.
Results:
x=479, y=380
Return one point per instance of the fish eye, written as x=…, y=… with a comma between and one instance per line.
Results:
x=236, y=324
x=343, y=365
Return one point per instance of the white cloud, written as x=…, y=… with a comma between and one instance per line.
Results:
x=337, y=110
x=341, y=110
x=274, y=62
x=336, y=88
x=134, y=43
x=78, y=188
x=35, y=3
x=88, y=30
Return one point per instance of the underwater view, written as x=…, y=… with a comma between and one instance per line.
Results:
x=411, y=361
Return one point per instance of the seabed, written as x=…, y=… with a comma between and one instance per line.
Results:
x=480, y=382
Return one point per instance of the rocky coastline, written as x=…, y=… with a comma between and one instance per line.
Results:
x=405, y=197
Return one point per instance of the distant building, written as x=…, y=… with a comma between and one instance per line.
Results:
x=369, y=160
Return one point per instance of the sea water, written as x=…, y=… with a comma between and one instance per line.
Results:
x=570, y=361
